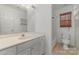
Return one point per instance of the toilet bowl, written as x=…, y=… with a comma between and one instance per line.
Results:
x=65, y=37
x=65, y=43
x=65, y=40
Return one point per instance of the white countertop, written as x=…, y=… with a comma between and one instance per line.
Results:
x=14, y=39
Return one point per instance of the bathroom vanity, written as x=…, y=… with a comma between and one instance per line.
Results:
x=16, y=44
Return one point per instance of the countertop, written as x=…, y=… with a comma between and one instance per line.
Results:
x=9, y=40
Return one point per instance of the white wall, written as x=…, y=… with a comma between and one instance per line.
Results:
x=76, y=15
x=44, y=22
x=54, y=26
x=10, y=19
x=31, y=19
x=59, y=31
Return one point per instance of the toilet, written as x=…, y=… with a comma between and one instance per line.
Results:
x=65, y=43
x=65, y=40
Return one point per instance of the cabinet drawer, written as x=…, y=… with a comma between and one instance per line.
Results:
x=23, y=46
x=8, y=51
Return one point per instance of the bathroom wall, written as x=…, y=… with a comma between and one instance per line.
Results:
x=10, y=19
x=54, y=26
x=76, y=15
x=71, y=30
x=31, y=16
x=44, y=23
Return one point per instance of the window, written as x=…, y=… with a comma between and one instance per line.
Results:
x=65, y=19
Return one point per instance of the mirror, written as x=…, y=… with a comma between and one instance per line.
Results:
x=13, y=19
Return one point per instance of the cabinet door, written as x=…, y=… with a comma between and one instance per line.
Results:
x=37, y=46
x=24, y=52
x=23, y=46
x=8, y=51
x=28, y=51
x=43, y=45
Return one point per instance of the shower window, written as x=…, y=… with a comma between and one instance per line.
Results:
x=65, y=19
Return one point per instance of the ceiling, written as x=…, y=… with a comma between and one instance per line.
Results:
x=23, y=6
x=57, y=6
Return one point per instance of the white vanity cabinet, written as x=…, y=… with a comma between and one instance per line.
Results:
x=8, y=51
x=31, y=47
